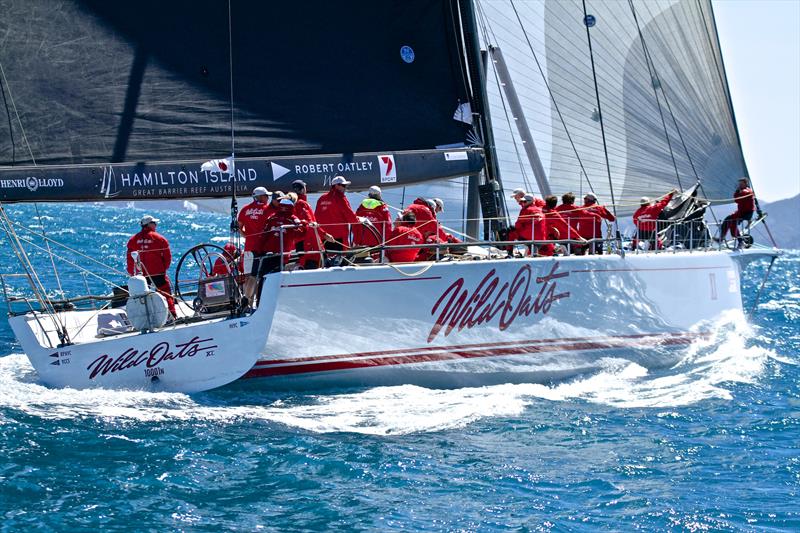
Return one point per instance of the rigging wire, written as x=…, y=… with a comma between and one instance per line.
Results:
x=235, y=235
x=10, y=125
x=556, y=53
x=49, y=251
x=33, y=160
x=649, y=59
x=36, y=284
x=655, y=93
x=600, y=116
x=484, y=25
x=553, y=98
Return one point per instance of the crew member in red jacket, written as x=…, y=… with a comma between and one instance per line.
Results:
x=570, y=214
x=424, y=215
x=590, y=221
x=404, y=233
x=745, y=206
x=224, y=265
x=335, y=215
x=645, y=220
x=374, y=209
x=532, y=226
x=275, y=233
x=557, y=226
x=311, y=244
x=442, y=234
x=154, y=258
x=251, y=220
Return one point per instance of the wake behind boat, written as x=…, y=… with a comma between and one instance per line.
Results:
x=653, y=115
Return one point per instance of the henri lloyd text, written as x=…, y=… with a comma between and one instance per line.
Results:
x=464, y=308
x=153, y=357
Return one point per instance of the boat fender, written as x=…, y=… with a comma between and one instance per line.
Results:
x=146, y=309
x=137, y=286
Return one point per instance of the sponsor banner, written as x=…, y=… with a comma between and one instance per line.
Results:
x=142, y=181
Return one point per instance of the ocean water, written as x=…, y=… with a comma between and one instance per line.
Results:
x=712, y=443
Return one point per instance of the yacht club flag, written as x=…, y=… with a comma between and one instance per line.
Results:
x=218, y=165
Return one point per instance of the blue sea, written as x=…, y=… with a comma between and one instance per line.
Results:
x=712, y=443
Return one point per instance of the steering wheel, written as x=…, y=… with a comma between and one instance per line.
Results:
x=196, y=266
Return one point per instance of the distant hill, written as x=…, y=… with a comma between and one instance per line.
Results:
x=784, y=222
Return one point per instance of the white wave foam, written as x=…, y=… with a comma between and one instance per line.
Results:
x=705, y=372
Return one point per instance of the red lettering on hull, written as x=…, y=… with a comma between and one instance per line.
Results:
x=461, y=308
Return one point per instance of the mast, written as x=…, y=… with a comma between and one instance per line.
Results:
x=476, y=65
x=519, y=119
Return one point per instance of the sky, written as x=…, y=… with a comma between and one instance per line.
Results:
x=760, y=42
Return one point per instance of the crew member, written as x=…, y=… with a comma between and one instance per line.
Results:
x=590, y=221
x=252, y=219
x=519, y=195
x=404, y=233
x=226, y=263
x=645, y=220
x=532, y=226
x=558, y=228
x=374, y=209
x=275, y=226
x=311, y=244
x=745, y=205
x=569, y=212
x=335, y=215
x=424, y=215
x=154, y=258
x=442, y=234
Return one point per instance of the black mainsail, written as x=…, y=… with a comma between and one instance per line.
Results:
x=110, y=100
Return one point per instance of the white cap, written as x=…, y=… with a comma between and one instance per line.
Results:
x=339, y=180
x=286, y=201
x=517, y=192
x=528, y=197
x=431, y=204
x=590, y=196
x=375, y=190
x=147, y=219
x=260, y=191
x=439, y=203
x=645, y=200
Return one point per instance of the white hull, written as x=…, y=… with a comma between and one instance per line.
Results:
x=477, y=322
x=184, y=358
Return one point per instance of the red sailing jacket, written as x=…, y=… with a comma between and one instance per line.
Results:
x=558, y=227
x=531, y=224
x=590, y=220
x=223, y=266
x=314, y=236
x=378, y=213
x=404, y=235
x=426, y=220
x=154, y=253
x=645, y=217
x=252, y=219
x=272, y=233
x=334, y=213
x=745, y=201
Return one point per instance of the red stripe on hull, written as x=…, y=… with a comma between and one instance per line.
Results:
x=450, y=355
x=520, y=343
